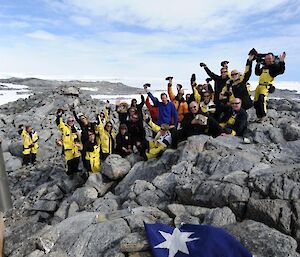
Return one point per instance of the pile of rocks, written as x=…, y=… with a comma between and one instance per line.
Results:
x=251, y=190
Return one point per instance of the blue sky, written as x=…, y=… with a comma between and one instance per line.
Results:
x=122, y=38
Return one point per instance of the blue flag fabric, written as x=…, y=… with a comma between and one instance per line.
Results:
x=193, y=241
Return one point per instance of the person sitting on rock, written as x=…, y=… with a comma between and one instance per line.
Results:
x=234, y=119
x=107, y=138
x=195, y=122
x=178, y=100
x=30, y=145
x=152, y=109
x=123, y=141
x=238, y=86
x=167, y=112
x=161, y=141
x=207, y=105
x=93, y=153
x=70, y=141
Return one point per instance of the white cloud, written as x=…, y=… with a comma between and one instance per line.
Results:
x=82, y=21
x=175, y=15
x=42, y=35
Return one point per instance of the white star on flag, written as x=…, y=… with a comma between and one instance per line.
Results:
x=176, y=241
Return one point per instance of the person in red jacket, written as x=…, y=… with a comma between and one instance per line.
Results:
x=152, y=109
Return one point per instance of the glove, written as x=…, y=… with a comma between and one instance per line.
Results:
x=193, y=78
x=202, y=64
x=168, y=78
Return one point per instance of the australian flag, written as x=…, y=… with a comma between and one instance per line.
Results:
x=193, y=241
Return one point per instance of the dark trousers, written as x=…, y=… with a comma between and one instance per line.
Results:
x=72, y=166
x=29, y=158
x=259, y=106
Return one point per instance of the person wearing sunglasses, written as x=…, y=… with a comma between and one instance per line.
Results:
x=234, y=122
x=220, y=80
x=238, y=86
x=70, y=142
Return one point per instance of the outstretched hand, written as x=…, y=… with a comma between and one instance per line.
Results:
x=282, y=57
x=251, y=57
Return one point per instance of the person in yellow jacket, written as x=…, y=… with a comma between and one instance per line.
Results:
x=107, y=138
x=70, y=142
x=93, y=154
x=161, y=141
x=30, y=145
x=180, y=103
x=266, y=74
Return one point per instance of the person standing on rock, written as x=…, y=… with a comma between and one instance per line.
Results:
x=93, y=153
x=167, y=112
x=30, y=145
x=178, y=100
x=70, y=141
x=107, y=138
x=86, y=127
x=266, y=74
x=238, y=87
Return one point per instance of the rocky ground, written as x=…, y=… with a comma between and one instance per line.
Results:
x=251, y=190
x=36, y=85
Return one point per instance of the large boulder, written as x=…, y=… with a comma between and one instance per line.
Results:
x=16, y=149
x=115, y=167
x=262, y=240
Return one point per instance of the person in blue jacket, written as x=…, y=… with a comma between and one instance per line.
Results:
x=167, y=112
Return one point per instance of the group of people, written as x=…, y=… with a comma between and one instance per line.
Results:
x=216, y=111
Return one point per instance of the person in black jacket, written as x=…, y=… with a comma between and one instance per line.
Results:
x=195, y=122
x=238, y=87
x=137, y=133
x=138, y=106
x=266, y=74
x=220, y=80
x=123, y=141
x=234, y=121
x=86, y=127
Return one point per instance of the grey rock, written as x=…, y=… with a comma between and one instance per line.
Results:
x=185, y=219
x=219, y=217
x=134, y=242
x=45, y=205
x=84, y=196
x=194, y=146
x=147, y=170
x=105, y=205
x=81, y=235
x=96, y=181
x=166, y=183
x=16, y=149
x=141, y=186
x=148, y=215
x=36, y=253
x=263, y=241
x=70, y=91
x=11, y=163
x=73, y=209
x=115, y=167
x=62, y=211
x=291, y=132
x=180, y=210
x=215, y=194
x=274, y=213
